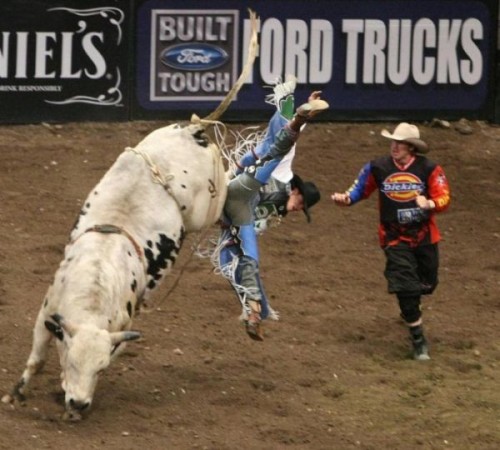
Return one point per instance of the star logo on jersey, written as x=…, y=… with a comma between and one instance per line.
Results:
x=441, y=179
x=402, y=186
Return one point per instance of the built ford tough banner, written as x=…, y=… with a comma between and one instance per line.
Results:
x=371, y=59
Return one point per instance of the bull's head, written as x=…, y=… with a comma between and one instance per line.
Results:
x=84, y=352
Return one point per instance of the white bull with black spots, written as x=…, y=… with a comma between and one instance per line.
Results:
x=127, y=237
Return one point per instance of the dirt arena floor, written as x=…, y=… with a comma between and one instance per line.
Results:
x=334, y=373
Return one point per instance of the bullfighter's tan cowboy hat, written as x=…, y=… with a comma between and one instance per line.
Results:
x=406, y=132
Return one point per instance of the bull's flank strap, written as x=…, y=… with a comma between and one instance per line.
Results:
x=109, y=229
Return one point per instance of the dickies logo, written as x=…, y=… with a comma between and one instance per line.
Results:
x=402, y=187
x=194, y=56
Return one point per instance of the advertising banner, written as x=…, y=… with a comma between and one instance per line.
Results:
x=388, y=59
x=64, y=60
x=496, y=118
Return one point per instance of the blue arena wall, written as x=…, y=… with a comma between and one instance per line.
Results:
x=159, y=59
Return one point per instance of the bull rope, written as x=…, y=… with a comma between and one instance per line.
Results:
x=252, y=53
x=156, y=174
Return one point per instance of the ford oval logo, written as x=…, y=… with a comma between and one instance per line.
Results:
x=194, y=56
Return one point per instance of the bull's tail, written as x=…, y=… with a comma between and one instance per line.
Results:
x=215, y=115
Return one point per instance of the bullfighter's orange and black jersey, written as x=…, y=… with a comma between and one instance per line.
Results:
x=400, y=217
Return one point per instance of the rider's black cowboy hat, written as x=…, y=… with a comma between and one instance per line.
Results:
x=310, y=193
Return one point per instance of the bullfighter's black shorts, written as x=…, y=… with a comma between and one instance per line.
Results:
x=411, y=270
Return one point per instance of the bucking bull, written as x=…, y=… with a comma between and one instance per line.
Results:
x=127, y=237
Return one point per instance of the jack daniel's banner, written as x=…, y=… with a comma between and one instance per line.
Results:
x=64, y=60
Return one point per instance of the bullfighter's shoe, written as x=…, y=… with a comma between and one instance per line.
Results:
x=420, y=349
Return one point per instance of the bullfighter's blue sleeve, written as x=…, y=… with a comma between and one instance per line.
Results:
x=357, y=189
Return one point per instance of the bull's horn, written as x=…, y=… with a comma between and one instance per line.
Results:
x=120, y=336
x=252, y=53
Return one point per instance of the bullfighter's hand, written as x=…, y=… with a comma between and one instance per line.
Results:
x=314, y=95
x=424, y=203
x=341, y=199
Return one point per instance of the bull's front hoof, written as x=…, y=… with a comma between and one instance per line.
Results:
x=71, y=416
x=14, y=398
x=7, y=398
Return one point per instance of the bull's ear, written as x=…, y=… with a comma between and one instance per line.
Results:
x=54, y=329
x=120, y=336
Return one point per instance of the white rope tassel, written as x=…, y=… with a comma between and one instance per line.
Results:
x=244, y=140
x=211, y=249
